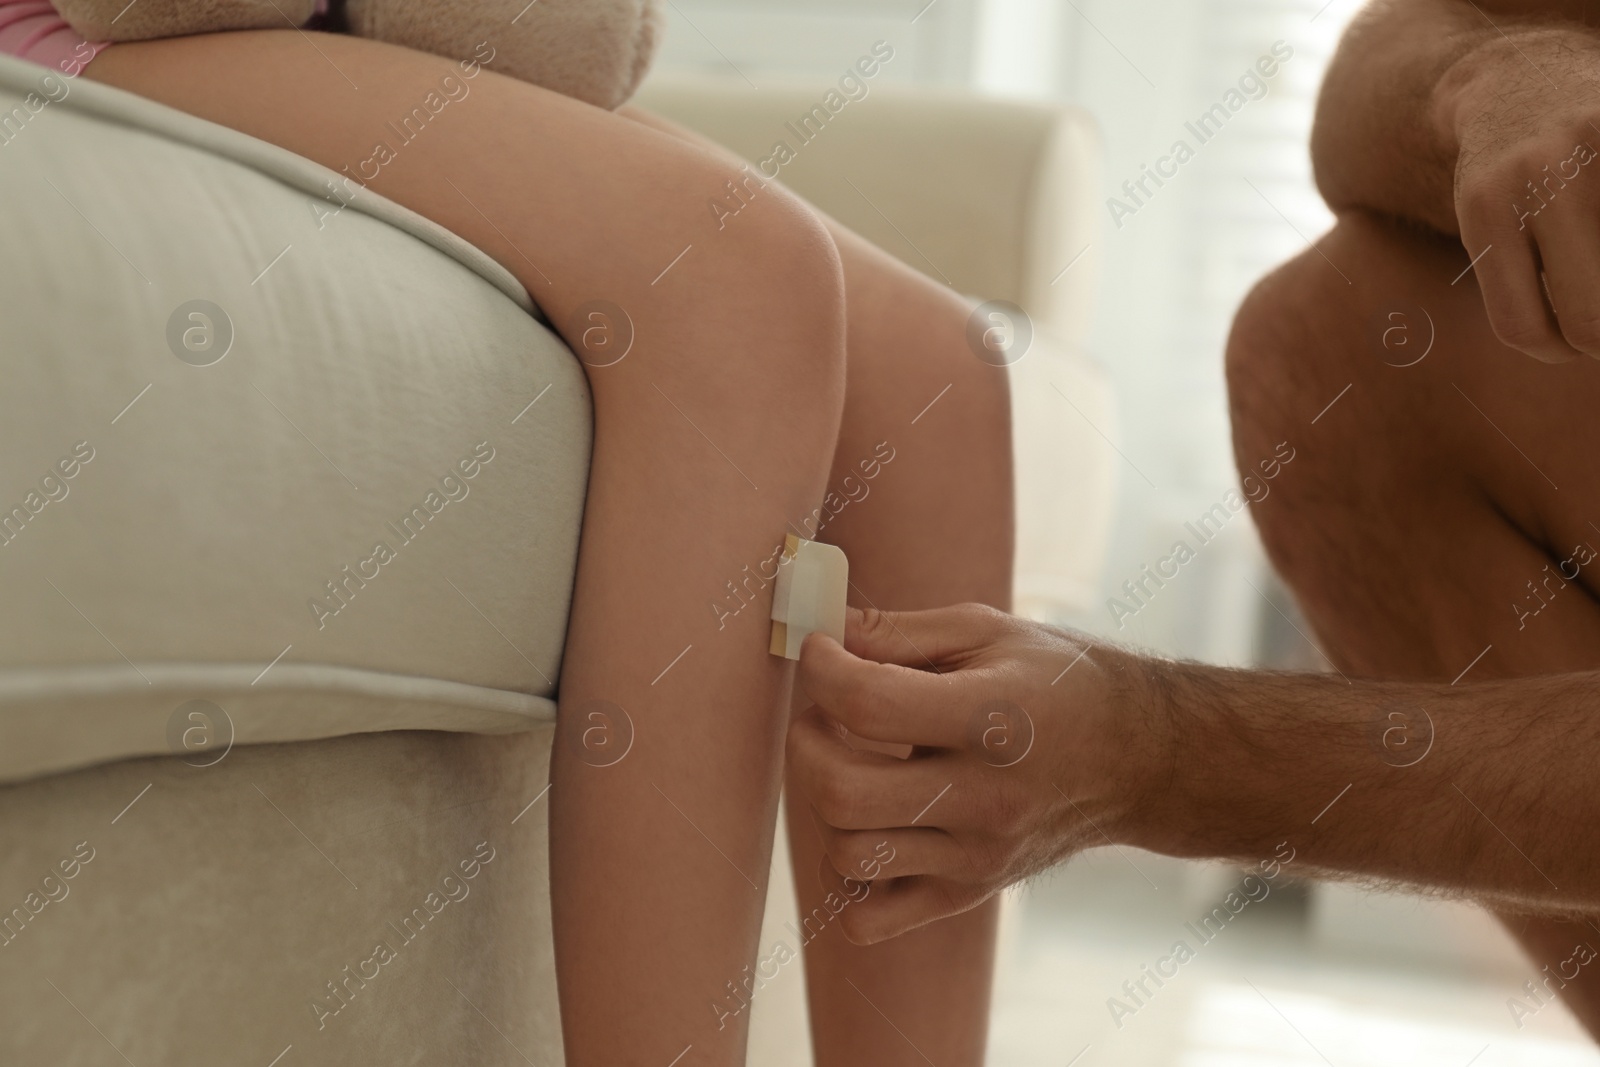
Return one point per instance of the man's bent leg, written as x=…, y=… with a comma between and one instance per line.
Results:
x=1440, y=519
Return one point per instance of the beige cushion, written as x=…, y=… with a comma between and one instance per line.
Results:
x=372, y=353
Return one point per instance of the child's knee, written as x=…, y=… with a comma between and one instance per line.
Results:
x=787, y=252
x=782, y=284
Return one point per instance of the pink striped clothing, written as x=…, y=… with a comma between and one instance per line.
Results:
x=31, y=29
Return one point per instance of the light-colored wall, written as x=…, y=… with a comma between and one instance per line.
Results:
x=760, y=39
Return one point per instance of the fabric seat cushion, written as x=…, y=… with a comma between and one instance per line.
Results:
x=260, y=448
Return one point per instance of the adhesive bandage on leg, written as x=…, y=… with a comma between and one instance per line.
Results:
x=813, y=579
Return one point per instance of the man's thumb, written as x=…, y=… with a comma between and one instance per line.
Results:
x=926, y=640
x=881, y=636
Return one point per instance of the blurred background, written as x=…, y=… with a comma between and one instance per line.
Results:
x=1311, y=974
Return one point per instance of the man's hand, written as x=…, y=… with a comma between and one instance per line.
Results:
x=1467, y=116
x=1524, y=113
x=1030, y=744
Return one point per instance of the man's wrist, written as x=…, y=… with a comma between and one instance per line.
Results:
x=1166, y=810
x=1151, y=750
x=1481, y=790
x=1237, y=763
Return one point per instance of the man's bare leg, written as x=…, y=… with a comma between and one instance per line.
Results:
x=1429, y=511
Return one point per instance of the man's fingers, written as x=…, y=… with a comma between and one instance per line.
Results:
x=899, y=676
x=1571, y=256
x=1513, y=295
x=932, y=640
x=882, y=701
x=877, y=855
x=878, y=911
x=857, y=789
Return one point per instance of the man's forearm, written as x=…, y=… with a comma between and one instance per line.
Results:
x=1486, y=791
x=1384, y=136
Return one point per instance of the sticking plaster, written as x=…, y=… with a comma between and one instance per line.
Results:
x=813, y=579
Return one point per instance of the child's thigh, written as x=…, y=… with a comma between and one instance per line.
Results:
x=577, y=202
x=736, y=374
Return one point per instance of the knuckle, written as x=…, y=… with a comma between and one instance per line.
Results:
x=1491, y=187
x=876, y=624
x=802, y=732
x=1484, y=201
x=955, y=898
x=797, y=740
x=1523, y=330
x=870, y=704
x=1582, y=330
x=806, y=751
x=882, y=632
x=850, y=853
x=857, y=711
x=836, y=796
x=861, y=924
x=979, y=616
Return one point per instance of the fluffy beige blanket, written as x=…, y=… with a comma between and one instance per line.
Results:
x=594, y=50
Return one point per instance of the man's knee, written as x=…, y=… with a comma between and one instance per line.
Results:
x=1266, y=360
x=1306, y=360
x=1303, y=329
x=1283, y=355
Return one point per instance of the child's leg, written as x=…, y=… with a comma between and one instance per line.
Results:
x=933, y=526
x=714, y=431
x=937, y=528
